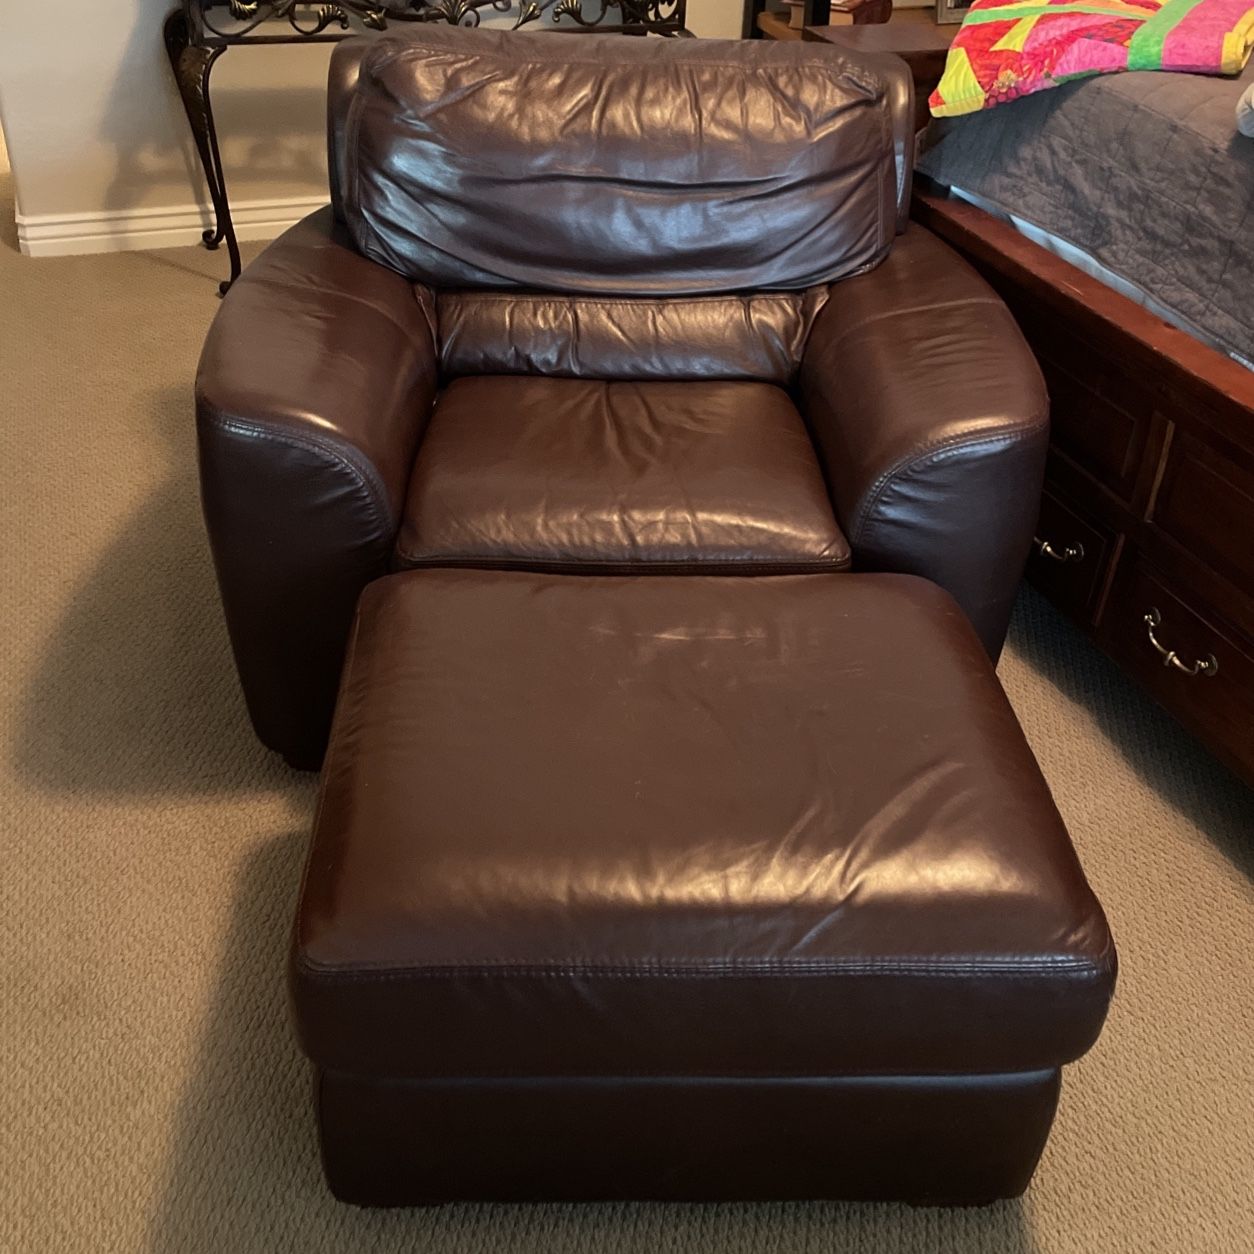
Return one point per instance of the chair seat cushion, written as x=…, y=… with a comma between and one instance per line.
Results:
x=686, y=826
x=558, y=474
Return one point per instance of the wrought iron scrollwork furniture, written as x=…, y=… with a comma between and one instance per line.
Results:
x=198, y=32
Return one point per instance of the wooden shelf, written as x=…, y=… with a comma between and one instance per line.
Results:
x=922, y=17
x=775, y=26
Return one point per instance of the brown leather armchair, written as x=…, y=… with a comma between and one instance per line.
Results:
x=605, y=305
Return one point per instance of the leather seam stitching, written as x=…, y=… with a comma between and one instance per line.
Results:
x=711, y=970
x=459, y=1078
x=352, y=201
x=822, y=63
x=787, y=298
x=780, y=564
x=365, y=476
x=918, y=459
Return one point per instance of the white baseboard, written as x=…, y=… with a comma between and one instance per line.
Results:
x=127, y=230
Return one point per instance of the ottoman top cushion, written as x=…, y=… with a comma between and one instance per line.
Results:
x=686, y=826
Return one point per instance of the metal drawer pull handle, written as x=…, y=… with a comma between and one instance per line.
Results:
x=1205, y=666
x=1071, y=553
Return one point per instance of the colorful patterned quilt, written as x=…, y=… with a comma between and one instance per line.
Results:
x=1005, y=50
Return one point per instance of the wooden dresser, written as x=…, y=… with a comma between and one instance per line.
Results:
x=771, y=19
x=1146, y=534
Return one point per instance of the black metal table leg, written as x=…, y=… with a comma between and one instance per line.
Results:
x=195, y=38
x=193, y=64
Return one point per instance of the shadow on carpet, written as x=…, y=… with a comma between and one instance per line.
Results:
x=136, y=692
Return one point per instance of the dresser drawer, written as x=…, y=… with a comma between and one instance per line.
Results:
x=1070, y=556
x=1101, y=420
x=1201, y=672
x=1206, y=504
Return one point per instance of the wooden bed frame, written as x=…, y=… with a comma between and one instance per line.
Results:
x=1146, y=537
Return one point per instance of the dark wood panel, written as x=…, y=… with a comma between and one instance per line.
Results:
x=1219, y=707
x=1071, y=558
x=772, y=25
x=1102, y=427
x=1153, y=447
x=1206, y=503
x=1199, y=582
x=761, y=21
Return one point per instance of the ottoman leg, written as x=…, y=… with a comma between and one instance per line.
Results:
x=953, y=1140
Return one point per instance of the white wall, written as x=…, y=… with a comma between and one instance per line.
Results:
x=716, y=19
x=101, y=153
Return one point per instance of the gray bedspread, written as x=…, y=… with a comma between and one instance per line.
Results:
x=1146, y=172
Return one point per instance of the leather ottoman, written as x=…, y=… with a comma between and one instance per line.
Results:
x=685, y=887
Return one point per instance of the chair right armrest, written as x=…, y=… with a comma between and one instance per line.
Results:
x=932, y=422
x=314, y=387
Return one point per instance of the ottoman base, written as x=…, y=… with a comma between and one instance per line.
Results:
x=931, y=1140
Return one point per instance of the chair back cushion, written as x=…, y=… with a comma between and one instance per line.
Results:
x=608, y=165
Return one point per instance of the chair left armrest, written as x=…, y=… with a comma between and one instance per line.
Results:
x=932, y=422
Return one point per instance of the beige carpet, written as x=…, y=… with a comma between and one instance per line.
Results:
x=152, y=1096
